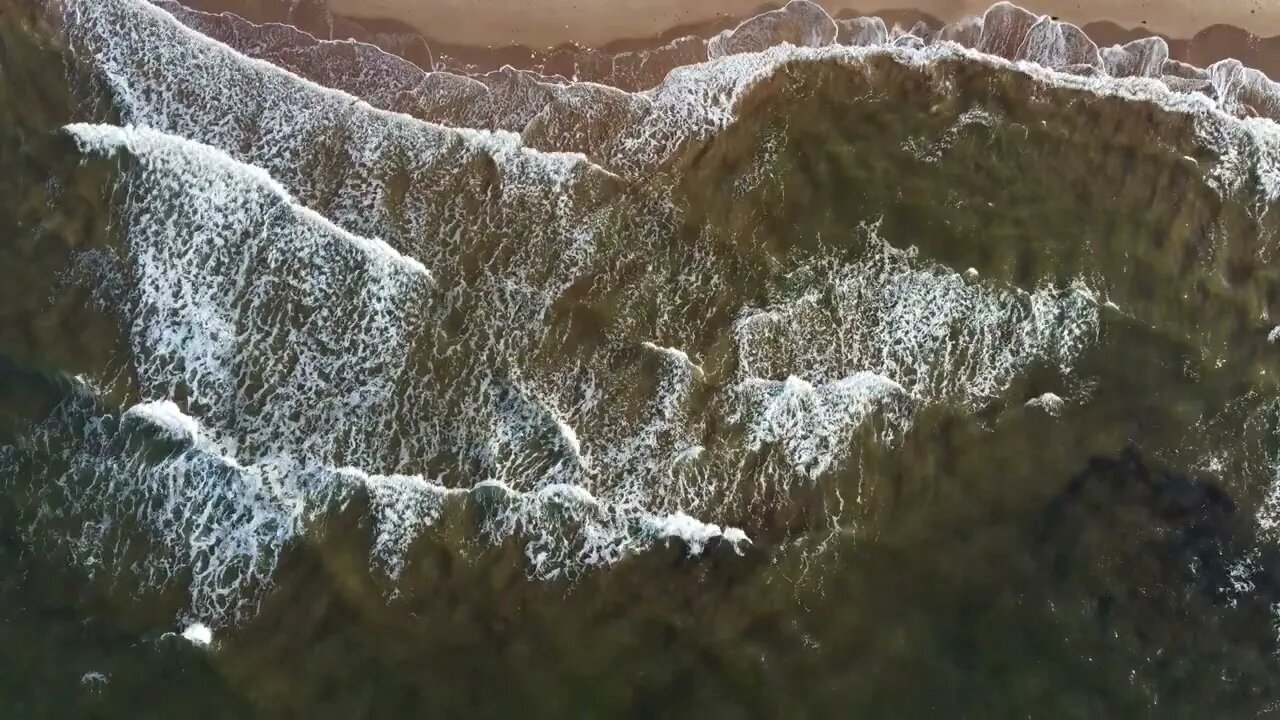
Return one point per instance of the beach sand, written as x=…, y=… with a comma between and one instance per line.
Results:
x=544, y=23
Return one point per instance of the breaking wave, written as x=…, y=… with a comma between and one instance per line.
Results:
x=345, y=280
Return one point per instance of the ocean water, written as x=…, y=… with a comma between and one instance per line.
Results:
x=814, y=369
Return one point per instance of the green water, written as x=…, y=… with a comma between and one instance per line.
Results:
x=990, y=560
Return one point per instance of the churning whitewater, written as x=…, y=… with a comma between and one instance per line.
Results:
x=429, y=294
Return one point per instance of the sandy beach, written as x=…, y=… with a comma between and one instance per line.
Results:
x=596, y=22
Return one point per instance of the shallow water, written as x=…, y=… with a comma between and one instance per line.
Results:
x=881, y=381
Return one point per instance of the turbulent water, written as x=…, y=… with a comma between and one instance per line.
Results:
x=812, y=368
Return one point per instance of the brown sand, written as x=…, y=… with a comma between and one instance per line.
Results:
x=597, y=22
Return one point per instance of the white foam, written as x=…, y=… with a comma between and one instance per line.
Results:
x=172, y=150
x=198, y=634
x=695, y=533
x=106, y=28
x=942, y=337
x=677, y=355
x=570, y=437
x=207, y=277
x=692, y=452
x=647, y=129
x=1048, y=402
x=636, y=132
x=604, y=537
x=289, y=410
x=166, y=414
x=322, y=362
x=813, y=426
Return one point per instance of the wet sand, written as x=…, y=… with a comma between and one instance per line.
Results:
x=598, y=22
x=545, y=37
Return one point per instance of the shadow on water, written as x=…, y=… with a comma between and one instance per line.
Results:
x=1109, y=593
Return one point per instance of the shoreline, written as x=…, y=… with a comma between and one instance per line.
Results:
x=1202, y=47
x=1205, y=39
x=600, y=23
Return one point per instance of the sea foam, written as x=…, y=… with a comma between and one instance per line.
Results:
x=452, y=359
x=633, y=131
